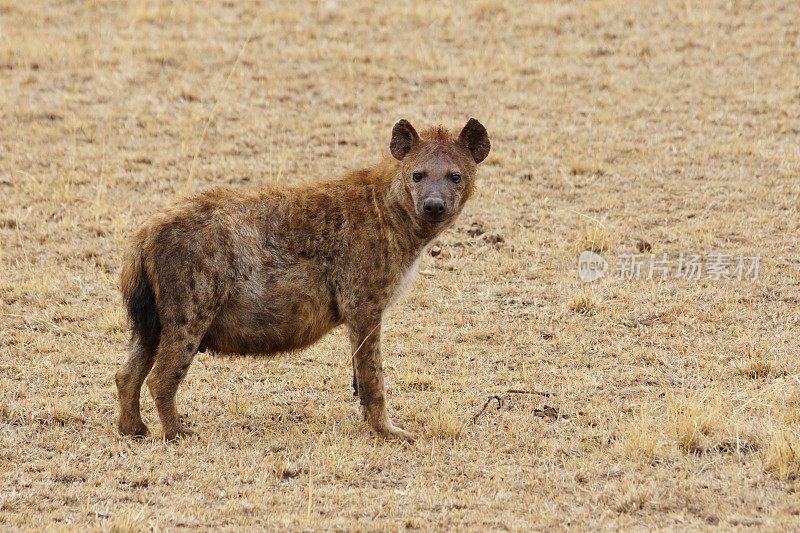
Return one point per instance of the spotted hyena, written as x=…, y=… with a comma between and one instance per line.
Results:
x=275, y=269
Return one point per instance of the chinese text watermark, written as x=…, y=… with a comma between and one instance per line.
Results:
x=685, y=265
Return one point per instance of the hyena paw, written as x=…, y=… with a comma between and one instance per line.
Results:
x=133, y=428
x=178, y=433
x=394, y=432
x=390, y=431
x=382, y=424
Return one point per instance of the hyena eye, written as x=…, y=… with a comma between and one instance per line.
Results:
x=455, y=177
x=417, y=177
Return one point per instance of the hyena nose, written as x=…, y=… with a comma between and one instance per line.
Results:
x=433, y=206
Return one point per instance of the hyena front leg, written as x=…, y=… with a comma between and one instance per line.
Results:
x=368, y=374
x=355, y=379
x=130, y=378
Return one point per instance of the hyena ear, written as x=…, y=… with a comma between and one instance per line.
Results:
x=475, y=138
x=404, y=137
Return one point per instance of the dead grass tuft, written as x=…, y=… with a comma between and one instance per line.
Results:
x=442, y=422
x=59, y=414
x=759, y=367
x=782, y=457
x=286, y=468
x=586, y=167
x=421, y=379
x=633, y=499
x=584, y=303
x=595, y=238
x=639, y=436
x=691, y=420
x=789, y=408
x=126, y=522
x=755, y=364
x=239, y=406
x=489, y=8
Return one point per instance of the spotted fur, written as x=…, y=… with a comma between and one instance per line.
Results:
x=275, y=269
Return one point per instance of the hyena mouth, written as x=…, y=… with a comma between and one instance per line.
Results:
x=436, y=219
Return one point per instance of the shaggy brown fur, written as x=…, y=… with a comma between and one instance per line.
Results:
x=275, y=269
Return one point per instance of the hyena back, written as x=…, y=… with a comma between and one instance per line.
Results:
x=276, y=269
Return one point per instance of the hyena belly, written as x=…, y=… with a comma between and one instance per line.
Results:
x=274, y=310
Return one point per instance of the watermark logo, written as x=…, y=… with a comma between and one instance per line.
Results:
x=690, y=266
x=591, y=266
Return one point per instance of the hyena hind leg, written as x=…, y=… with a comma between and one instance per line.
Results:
x=175, y=353
x=130, y=378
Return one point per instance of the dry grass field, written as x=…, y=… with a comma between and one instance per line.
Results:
x=667, y=127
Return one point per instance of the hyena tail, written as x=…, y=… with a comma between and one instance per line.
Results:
x=140, y=302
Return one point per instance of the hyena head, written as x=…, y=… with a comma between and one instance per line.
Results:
x=437, y=168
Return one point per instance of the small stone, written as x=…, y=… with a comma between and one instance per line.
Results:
x=494, y=238
x=475, y=229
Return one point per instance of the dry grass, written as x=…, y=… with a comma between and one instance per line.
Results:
x=783, y=456
x=584, y=302
x=673, y=404
x=691, y=421
x=639, y=436
x=595, y=238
